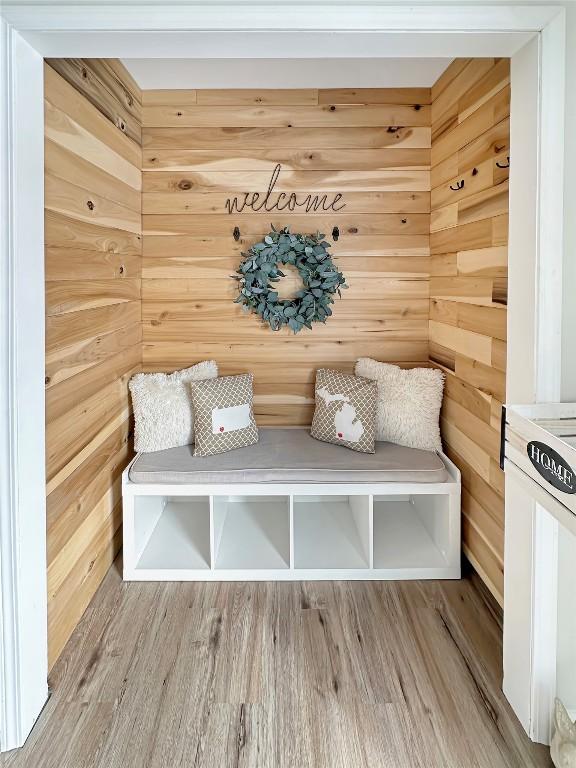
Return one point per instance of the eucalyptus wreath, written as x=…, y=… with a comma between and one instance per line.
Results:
x=260, y=271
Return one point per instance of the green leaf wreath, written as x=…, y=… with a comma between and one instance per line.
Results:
x=259, y=272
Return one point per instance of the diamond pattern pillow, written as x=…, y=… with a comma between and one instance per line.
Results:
x=163, y=407
x=223, y=414
x=345, y=411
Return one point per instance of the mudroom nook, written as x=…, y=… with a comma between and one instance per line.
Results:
x=307, y=470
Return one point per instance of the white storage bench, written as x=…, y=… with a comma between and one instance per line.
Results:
x=291, y=508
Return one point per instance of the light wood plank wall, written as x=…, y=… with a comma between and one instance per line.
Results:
x=93, y=322
x=468, y=290
x=200, y=148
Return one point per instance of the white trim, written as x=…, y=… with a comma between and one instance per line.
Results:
x=23, y=637
x=320, y=48
x=550, y=211
x=544, y=623
x=534, y=373
x=279, y=16
x=523, y=230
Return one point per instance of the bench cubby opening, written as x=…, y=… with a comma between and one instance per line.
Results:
x=331, y=532
x=172, y=533
x=251, y=532
x=411, y=531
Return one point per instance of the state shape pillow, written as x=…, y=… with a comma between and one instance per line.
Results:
x=345, y=410
x=409, y=402
x=223, y=414
x=162, y=404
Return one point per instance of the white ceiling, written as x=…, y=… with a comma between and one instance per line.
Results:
x=286, y=72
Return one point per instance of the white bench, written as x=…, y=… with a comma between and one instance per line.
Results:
x=291, y=508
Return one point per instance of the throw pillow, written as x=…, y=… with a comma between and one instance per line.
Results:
x=163, y=407
x=223, y=414
x=345, y=410
x=409, y=402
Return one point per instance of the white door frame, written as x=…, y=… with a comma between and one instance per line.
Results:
x=31, y=32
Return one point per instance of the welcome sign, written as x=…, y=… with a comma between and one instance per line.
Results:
x=270, y=200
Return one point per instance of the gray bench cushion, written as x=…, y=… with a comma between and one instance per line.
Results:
x=290, y=456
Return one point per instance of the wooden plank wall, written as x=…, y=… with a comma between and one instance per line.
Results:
x=93, y=322
x=200, y=148
x=468, y=290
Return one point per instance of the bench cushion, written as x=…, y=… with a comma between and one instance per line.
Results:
x=290, y=456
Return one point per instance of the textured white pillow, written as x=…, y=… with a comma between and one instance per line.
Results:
x=409, y=402
x=163, y=416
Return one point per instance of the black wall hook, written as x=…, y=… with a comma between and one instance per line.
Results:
x=459, y=185
x=504, y=165
x=335, y=234
x=236, y=233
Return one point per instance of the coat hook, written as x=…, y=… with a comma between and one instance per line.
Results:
x=236, y=233
x=504, y=165
x=459, y=185
x=335, y=234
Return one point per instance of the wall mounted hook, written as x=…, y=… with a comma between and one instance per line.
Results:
x=459, y=185
x=335, y=234
x=236, y=233
x=504, y=165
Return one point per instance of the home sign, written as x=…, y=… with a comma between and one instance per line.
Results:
x=551, y=466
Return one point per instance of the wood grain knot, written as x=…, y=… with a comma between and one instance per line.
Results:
x=353, y=230
x=90, y=205
x=185, y=184
x=47, y=380
x=121, y=124
x=417, y=107
x=121, y=269
x=392, y=129
x=332, y=108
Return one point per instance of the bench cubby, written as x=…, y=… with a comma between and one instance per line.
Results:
x=251, y=532
x=411, y=531
x=171, y=533
x=291, y=531
x=331, y=532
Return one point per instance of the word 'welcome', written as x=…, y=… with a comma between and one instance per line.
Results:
x=282, y=201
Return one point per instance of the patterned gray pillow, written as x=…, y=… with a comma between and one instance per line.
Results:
x=345, y=411
x=223, y=414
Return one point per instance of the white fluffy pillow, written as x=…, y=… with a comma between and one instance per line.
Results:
x=163, y=416
x=409, y=402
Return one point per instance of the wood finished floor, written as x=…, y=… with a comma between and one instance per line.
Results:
x=281, y=675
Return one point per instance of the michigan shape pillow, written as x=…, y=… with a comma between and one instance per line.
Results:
x=409, y=402
x=163, y=407
x=223, y=414
x=345, y=410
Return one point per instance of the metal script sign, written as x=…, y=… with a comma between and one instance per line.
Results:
x=283, y=201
